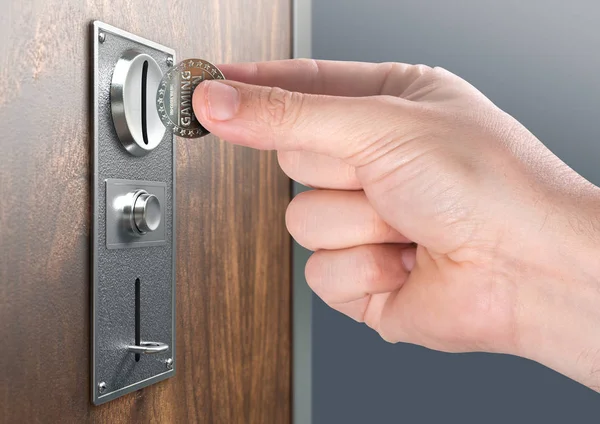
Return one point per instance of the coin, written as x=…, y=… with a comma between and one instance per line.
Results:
x=174, y=96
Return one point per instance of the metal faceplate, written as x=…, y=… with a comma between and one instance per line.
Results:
x=133, y=255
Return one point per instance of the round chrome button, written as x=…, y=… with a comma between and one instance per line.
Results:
x=146, y=212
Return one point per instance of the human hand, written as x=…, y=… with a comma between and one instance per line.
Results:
x=404, y=154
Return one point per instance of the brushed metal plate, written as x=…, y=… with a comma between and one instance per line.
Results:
x=116, y=265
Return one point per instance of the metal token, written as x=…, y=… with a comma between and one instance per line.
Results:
x=174, y=96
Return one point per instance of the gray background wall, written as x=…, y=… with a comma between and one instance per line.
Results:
x=540, y=61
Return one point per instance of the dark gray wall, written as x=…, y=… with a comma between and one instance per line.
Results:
x=540, y=61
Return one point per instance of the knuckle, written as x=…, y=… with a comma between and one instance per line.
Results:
x=313, y=272
x=292, y=219
x=391, y=70
x=280, y=108
x=422, y=69
x=295, y=219
x=371, y=269
x=388, y=336
x=289, y=162
x=374, y=227
x=285, y=159
x=391, y=329
x=442, y=73
x=308, y=65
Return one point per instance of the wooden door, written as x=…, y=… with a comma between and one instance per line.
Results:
x=233, y=253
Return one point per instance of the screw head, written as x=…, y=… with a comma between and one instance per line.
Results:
x=169, y=363
x=102, y=37
x=101, y=387
x=170, y=61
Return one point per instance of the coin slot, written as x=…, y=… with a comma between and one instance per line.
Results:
x=144, y=106
x=136, y=78
x=138, y=338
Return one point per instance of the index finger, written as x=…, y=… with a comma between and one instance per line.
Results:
x=351, y=79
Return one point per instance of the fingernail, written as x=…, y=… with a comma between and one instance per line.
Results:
x=223, y=100
x=409, y=258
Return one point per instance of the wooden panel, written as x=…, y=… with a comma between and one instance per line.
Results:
x=233, y=288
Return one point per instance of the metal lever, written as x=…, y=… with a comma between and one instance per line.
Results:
x=148, y=348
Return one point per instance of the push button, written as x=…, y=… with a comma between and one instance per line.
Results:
x=146, y=213
x=142, y=212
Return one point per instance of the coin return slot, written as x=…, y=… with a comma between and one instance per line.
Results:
x=139, y=347
x=138, y=331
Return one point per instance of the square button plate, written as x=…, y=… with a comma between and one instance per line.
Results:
x=117, y=237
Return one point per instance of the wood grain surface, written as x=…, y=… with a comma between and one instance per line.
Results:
x=233, y=265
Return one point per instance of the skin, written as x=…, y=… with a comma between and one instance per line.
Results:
x=436, y=219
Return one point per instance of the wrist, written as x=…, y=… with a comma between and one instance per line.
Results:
x=558, y=308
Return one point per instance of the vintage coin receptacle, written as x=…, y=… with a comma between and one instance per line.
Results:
x=133, y=219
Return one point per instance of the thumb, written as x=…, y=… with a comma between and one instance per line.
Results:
x=273, y=118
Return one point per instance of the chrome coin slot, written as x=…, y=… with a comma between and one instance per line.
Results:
x=136, y=119
x=144, y=107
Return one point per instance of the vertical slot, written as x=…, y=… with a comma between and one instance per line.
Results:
x=144, y=98
x=137, y=317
